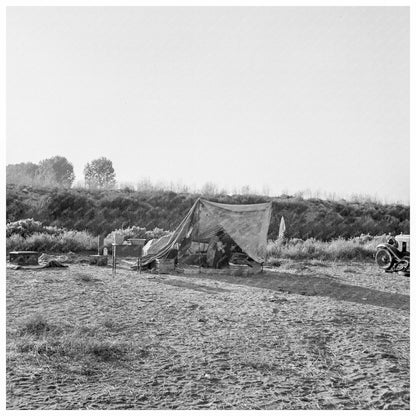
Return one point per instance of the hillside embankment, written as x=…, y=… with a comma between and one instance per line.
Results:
x=102, y=211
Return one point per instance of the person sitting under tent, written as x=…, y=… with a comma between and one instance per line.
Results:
x=173, y=253
x=219, y=250
x=212, y=250
x=185, y=245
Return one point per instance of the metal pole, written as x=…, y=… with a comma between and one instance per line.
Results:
x=199, y=257
x=114, y=259
x=139, y=260
x=197, y=230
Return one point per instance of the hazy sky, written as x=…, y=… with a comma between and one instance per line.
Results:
x=271, y=97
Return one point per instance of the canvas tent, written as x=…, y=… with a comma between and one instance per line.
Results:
x=247, y=225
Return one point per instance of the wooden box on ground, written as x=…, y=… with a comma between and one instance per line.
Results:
x=98, y=260
x=245, y=269
x=24, y=258
x=239, y=269
x=128, y=250
x=165, y=265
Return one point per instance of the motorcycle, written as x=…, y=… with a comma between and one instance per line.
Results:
x=394, y=256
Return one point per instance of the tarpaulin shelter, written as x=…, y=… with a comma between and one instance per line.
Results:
x=247, y=225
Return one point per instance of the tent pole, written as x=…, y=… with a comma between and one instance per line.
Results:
x=199, y=257
x=114, y=260
x=199, y=242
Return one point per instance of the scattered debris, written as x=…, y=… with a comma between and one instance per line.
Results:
x=50, y=263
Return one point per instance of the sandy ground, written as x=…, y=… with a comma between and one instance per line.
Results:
x=308, y=335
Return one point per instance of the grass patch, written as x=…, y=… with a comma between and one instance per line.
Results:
x=75, y=348
x=111, y=325
x=37, y=336
x=35, y=325
x=85, y=278
x=105, y=350
x=261, y=366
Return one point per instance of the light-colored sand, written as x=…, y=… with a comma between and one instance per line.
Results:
x=196, y=343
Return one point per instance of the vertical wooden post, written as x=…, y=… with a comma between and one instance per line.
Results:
x=100, y=244
x=114, y=259
x=140, y=255
x=197, y=231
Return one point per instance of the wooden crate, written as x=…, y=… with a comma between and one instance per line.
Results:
x=24, y=258
x=128, y=250
x=239, y=269
x=99, y=260
x=118, y=238
x=165, y=265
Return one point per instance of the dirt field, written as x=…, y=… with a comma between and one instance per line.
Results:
x=308, y=335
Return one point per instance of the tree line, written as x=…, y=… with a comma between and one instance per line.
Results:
x=57, y=171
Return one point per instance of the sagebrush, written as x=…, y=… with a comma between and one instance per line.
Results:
x=75, y=241
x=358, y=248
x=102, y=211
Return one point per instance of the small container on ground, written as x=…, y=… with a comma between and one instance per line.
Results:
x=98, y=260
x=165, y=265
x=24, y=258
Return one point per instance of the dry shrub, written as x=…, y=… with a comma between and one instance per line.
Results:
x=83, y=277
x=29, y=226
x=359, y=248
x=274, y=261
x=15, y=242
x=74, y=241
x=78, y=241
x=35, y=346
x=110, y=324
x=75, y=347
x=34, y=325
x=39, y=336
x=78, y=347
x=106, y=350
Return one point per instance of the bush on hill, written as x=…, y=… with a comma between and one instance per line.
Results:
x=27, y=227
x=358, y=248
x=103, y=211
x=137, y=232
x=75, y=241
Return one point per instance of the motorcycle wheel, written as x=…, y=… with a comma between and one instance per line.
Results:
x=384, y=259
x=403, y=265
